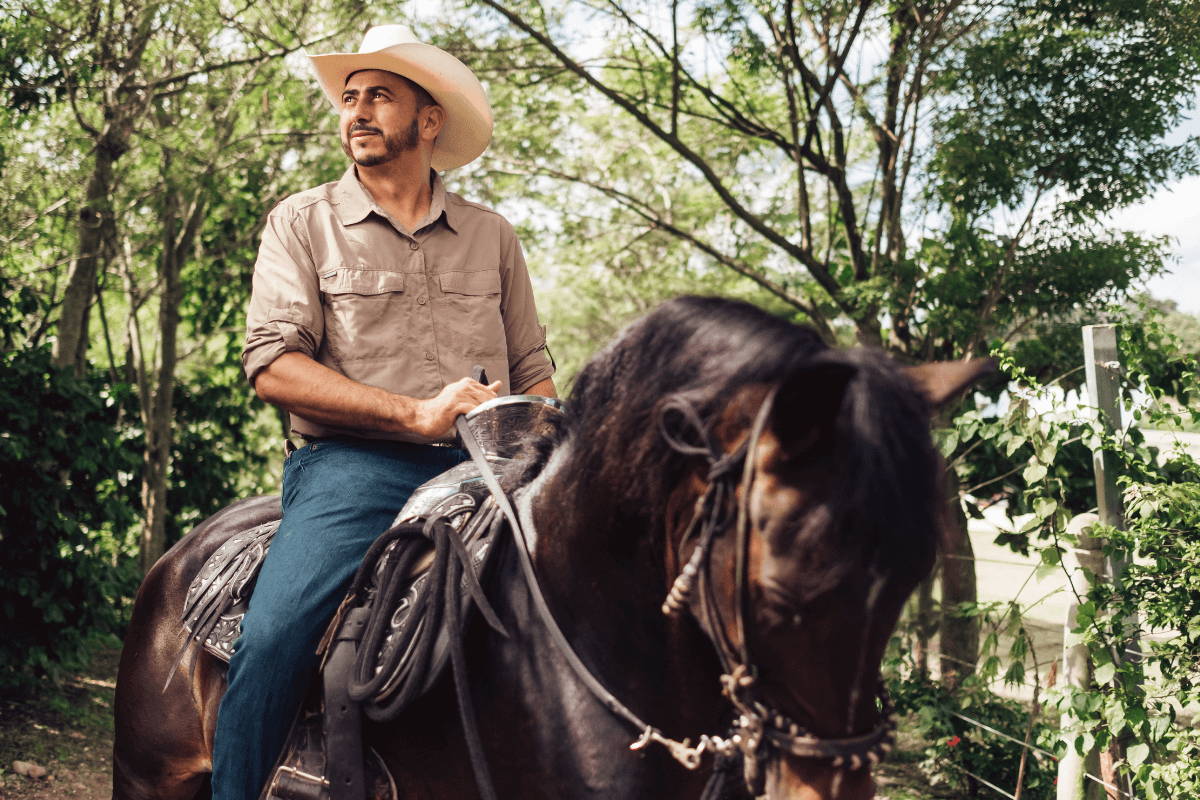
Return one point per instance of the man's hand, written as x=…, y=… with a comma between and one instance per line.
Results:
x=434, y=418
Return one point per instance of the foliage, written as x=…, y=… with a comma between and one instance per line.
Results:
x=958, y=754
x=224, y=440
x=69, y=498
x=67, y=510
x=971, y=735
x=1036, y=456
x=1155, y=598
x=924, y=177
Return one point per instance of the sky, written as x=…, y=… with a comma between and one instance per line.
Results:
x=1173, y=211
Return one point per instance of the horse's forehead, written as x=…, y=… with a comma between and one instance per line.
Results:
x=732, y=424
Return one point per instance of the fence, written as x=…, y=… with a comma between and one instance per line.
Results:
x=1090, y=774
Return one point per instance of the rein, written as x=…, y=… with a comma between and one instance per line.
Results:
x=759, y=732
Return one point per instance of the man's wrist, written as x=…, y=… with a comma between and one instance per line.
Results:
x=406, y=414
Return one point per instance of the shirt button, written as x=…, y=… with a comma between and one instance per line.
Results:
x=421, y=300
x=428, y=356
x=413, y=245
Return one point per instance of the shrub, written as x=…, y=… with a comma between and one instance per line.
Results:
x=67, y=511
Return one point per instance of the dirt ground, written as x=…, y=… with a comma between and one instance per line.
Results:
x=68, y=730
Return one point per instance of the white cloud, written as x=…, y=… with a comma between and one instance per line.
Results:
x=1173, y=211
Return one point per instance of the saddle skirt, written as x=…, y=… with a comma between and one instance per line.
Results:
x=219, y=595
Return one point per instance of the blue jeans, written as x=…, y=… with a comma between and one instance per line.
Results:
x=338, y=496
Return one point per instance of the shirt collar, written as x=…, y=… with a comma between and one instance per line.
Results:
x=354, y=202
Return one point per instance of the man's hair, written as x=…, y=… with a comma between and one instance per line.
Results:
x=424, y=98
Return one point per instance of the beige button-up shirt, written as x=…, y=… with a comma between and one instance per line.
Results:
x=406, y=311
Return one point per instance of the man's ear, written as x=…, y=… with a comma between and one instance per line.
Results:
x=432, y=120
x=942, y=381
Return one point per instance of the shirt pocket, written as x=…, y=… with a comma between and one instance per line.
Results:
x=472, y=284
x=471, y=312
x=367, y=314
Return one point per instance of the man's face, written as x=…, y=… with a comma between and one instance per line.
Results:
x=379, y=119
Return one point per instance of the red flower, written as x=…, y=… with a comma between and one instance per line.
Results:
x=953, y=741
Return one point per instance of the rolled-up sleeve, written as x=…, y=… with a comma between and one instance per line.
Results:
x=285, y=301
x=528, y=360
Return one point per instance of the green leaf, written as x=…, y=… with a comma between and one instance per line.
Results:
x=1159, y=727
x=1137, y=753
x=1014, y=444
x=1045, y=507
x=1034, y=472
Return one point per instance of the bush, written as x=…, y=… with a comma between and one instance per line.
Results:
x=67, y=511
x=961, y=755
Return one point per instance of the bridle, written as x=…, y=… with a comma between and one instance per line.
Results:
x=758, y=729
x=759, y=732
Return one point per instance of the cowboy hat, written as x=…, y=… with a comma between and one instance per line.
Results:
x=394, y=48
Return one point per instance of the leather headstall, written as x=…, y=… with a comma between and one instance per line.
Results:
x=759, y=732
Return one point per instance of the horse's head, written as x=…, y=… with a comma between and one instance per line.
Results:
x=799, y=499
x=840, y=504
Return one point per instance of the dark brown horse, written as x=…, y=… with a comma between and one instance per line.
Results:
x=797, y=487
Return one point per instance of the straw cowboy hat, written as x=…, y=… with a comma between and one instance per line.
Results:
x=468, y=126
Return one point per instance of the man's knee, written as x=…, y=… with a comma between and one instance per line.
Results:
x=271, y=640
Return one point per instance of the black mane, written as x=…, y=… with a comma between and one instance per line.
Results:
x=705, y=349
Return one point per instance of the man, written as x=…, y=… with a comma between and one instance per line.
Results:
x=373, y=297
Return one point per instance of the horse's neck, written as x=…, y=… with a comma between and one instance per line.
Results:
x=603, y=576
x=553, y=738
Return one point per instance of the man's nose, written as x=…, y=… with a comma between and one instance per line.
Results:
x=358, y=110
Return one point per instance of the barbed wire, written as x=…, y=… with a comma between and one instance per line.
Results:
x=1034, y=748
x=984, y=781
x=1038, y=751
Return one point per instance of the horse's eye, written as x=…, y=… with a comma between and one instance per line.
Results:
x=780, y=606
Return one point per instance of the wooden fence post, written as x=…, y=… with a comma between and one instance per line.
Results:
x=1103, y=368
x=1083, y=565
x=1102, y=365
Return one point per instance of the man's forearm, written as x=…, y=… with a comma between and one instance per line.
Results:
x=545, y=388
x=302, y=386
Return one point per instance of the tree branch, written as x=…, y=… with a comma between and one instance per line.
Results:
x=208, y=69
x=756, y=223
x=660, y=221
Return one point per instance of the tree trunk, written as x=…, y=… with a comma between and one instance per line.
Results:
x=959, y=635
x=121, y=47
x=95, y=220
x=156, y=458
x=926, y=624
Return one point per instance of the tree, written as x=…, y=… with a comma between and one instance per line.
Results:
x=924, y=176
x=161, y=113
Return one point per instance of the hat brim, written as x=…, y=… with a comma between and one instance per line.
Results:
x=468, y=127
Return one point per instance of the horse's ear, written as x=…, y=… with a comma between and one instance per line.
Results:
x=809, y=402
x=942, y=381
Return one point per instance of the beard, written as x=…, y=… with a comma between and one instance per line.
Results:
x=393, y=145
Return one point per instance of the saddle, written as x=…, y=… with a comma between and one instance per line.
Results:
x=394, y=632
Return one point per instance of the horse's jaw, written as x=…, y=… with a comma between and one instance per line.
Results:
x=797, y=779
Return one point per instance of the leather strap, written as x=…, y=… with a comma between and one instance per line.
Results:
x=344, y=765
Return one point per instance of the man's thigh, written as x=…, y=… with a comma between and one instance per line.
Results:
x=338, y=496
